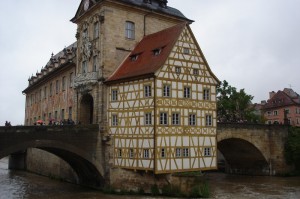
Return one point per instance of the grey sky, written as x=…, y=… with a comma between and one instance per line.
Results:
x=253, y=44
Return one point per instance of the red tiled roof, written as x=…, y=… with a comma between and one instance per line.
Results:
x=280, y=99
x=147, y=63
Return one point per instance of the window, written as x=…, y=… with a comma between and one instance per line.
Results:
x=206, y=94
x=134, y=57
x=146, y=153
x=163, y=118
x=185, y=152
x=71, y=79
x=177, y=69
x=114, y=95
x=85, y=33
x=157, y=51
x=162, y=153
x=186, y=51
x=147, y=91
x=64, y=83
x=55, y=115
x=208, y=120
x=269, y=113
x=148, y=119
x=62, y=114
x=187, y=92
x=96, y=30
x=275, y=112
x=192, y=120
x=119, y=153
x=45, y=92
x=95, y=63
x=114, y=120
x=57, y=86
x=84, y=67
x=129, y=30
x=207, y=151
x=50, y=116
x=50, y=89
x=167, y=91
x=178, y=152
x=175, y=119
x=195, y=71
x=131, y=153
x=287, y=111
x=70, y=113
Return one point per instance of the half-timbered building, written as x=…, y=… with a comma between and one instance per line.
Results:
x=162, y=105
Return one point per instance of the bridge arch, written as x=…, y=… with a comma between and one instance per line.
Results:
x=79, y=146
x=243, y=157
x=89, y=172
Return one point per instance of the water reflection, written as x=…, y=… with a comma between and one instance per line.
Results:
x=18, y=184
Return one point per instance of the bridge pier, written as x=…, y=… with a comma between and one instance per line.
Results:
x=17, y=161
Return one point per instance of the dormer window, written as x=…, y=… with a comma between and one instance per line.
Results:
x=156, y=51
x=186, y=51
x=163, y=3
x=134, y=57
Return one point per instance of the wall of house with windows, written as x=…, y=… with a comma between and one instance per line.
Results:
x=131, y=123
x=185, y=135
x=51, y=96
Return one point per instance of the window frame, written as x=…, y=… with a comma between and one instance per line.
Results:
x=208, y=120
x=176, y=119
x=192, y=119
x=130, y=30
x=114, y=95
x=148, y=119
x=166, y=90
x=147, y=91
x=187, y=92
x=163, y=118
x=206, y=94
x=114, y=120
x=207, y=152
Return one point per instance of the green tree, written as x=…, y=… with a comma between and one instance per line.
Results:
x=234, y=105
x=292, y=147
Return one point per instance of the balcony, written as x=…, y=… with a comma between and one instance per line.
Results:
x=85, y=82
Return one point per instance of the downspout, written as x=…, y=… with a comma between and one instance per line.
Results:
x=145, y=17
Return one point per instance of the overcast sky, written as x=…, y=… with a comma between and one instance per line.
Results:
x=253, y=44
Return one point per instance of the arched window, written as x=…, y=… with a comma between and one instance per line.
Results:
x=129, y=30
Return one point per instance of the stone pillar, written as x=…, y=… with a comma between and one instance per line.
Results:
x=17, y=161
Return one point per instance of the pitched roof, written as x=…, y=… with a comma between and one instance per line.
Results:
x=280, y=99
x=146, y=62
x=154, y=6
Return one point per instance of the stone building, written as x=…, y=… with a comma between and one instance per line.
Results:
x=137, y=70
x=283, y=107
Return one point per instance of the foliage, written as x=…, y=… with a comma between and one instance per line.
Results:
x=169, y=190
x=233, y=105
x=155, y=190
x=292, y=147
x=201, y=191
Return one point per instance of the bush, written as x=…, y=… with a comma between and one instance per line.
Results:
x=155, y=190
x=200, y=191
x=292, y=147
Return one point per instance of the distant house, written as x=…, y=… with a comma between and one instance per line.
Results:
x=283, y=107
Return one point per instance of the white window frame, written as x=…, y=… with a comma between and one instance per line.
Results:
x=114, y=95
x=185, y=152
x=114, y=120
x=178, y=152
x=192, y=120
x=163, y=118
x=163, y=153
x=207, y=152
x=146, y=153
x=147, y=91
x=148, y=118
x=130, y=30
x=166, y=90
x=175, y=119
x=208, y=120
x=206, y=94
x=187, y=92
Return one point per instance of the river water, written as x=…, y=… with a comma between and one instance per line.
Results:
x=19, y=185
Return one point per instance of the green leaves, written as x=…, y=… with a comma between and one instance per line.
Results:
x=233, y=105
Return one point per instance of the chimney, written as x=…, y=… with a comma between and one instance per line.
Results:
x=271, y=94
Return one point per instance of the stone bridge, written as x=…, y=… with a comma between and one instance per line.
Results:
x=247, y=149
x=80, y=146
x=253, y=148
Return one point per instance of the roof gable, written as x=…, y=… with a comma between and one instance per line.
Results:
x=279, y=99
x=144, y=59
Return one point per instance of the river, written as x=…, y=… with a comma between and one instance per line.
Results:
x=23, y=185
